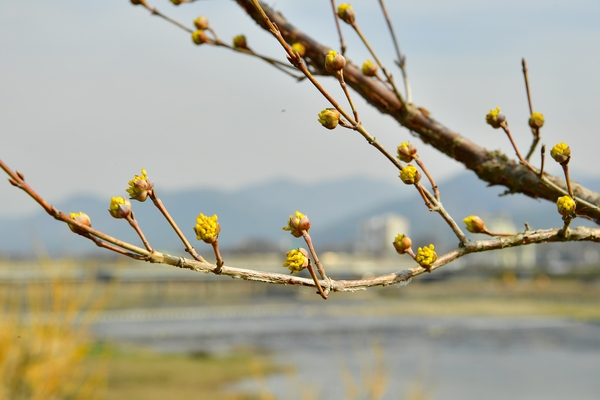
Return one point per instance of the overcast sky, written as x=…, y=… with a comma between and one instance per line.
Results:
x=92, y=91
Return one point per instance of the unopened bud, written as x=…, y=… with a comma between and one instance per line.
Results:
x=402, y=243
x=406, y=151
x=199, y=37
x=239, y=42
x=369, y=68
x=334, y=61
x=201, y=22
x=299, y=48
x=536, y=120
x=120, y=207
x=83, y=219
x=346, y=13
x=329, y=118
x=561, y=153
x=474, y=224
x=494, y=118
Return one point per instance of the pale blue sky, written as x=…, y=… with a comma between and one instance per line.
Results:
x=92, y=91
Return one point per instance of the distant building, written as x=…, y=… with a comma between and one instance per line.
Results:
x=377, y=233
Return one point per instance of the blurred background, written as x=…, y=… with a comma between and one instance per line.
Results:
x=94, y=91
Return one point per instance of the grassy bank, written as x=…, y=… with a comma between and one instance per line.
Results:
x=140, y=374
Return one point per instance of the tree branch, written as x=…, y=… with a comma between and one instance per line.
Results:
x=490, y=166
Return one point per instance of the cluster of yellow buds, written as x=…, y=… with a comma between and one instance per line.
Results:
x=239, y=42
x=426, y=256
x=561, y=153
x=120, y=207
x=207, y=228
x=410, y=175
x=297, y=223
x=346, y=13
x=296, y=260
x=406, y=152
x=82, y=218
x=334, y=61
x=536, y=120
x=299, y=48
x=369, y=68
x=475, y=224
x=495, y=118
x=329, y=118
x=140, y=187
x=566, y=206
x=402, y=243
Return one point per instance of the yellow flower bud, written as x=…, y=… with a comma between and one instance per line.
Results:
x=474, y=224
x=207, y=228
x=82, y=218
x=329, y=118
x=120, y=207
x=561, y=153
x=402, y=243
x=334, y=61
x=369, y=68
x=406, y=151
x=410, y=175
x=177, y=2
x=299, y=48
x=140, y=187
x=346, y=13
x=495, y=118
x=199, y=37
x=137, y=2
x=201, y=23
x=239, y=42
x=296, y=260
x=426, y=256
x=566, y=206
x=536, y=120
x=297, y=223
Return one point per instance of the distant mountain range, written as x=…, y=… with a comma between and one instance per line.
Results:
x=253, y=216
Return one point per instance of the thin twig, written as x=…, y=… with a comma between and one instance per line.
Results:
x=383, y=69
x=163, y=210
x=401, y=62
x=311, y=248
x=339, y=28
x=340, y=76
x=220, y=262
x=134, y=224
x=424, y=169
